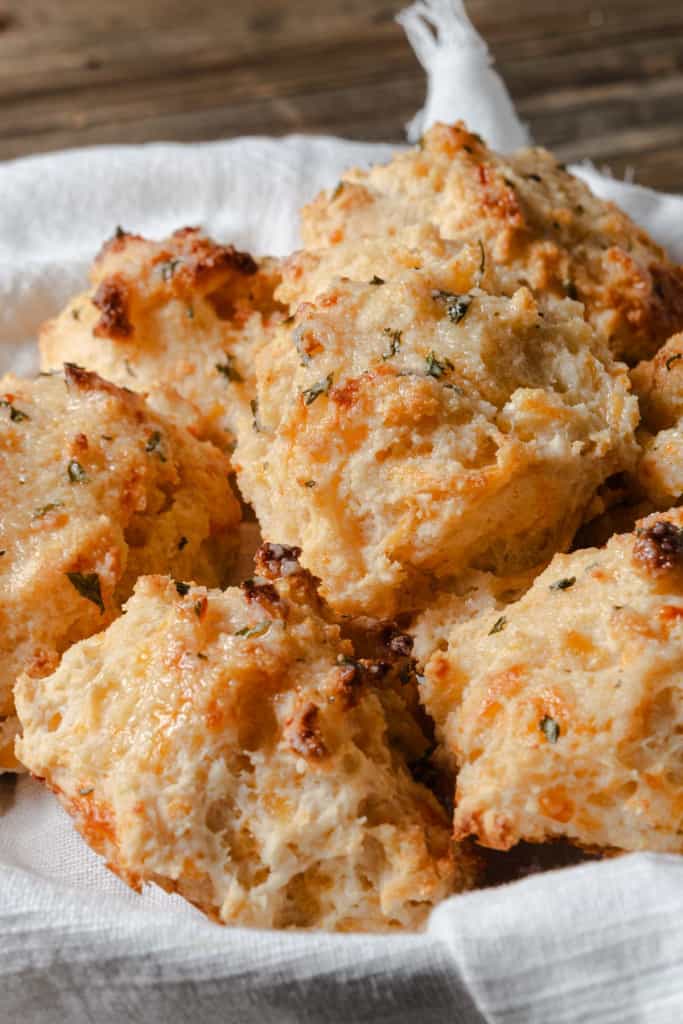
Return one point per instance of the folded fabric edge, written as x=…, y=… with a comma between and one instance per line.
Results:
x=557, y=943
x=461, y=80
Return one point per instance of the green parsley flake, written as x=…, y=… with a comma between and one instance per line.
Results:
x=321, y=387
x=498, y=626
x=88, y=586
x=75, y=472
x=394, y=342
x=437, y=367
x=456, y=305
x=252, y=631
x=253, y=405
x=229, y=371
x=153, y=445
x=482, y=262
x=168, y=269
x=16, y=415
x=182, y=588
x=564, y=584
x=299, y=339
x=44, y=509
x=550, y=728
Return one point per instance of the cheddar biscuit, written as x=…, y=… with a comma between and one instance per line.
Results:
x=658, y=383
x=230, y=746
x=470, y=595
x=96, y=490
x=308, y=273
x=407, y=431
x=563, y=712
x=542, y=227
x=184, y=314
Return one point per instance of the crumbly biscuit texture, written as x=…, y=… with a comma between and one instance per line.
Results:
x=470, y=595
x=184, y=314
x=96, y=490
x=308, y=273
x=229, y=746
x=564, y=712
x=660, y=469
x=407, y=431
x=658, y=383
x=542, y=226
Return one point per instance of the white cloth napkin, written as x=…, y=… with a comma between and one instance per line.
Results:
x=602, y=942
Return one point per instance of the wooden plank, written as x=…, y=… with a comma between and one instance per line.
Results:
x=604, y=82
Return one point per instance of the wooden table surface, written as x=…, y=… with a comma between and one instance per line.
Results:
x=593, y=79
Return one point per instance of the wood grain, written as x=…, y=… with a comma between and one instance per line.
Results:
x=594, y=80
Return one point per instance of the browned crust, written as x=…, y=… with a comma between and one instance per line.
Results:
x=497, y=197
x=112, y=299
x=200, y=260
x=378, y=638
x=395, y=641
x=87, y=380
x=208, y=255
x=349, y=684
x=659, y=547
x=224, y=258
x=275, y=560
x=305, y=736
x=499, y=836
x=117, y=243
x=199, y=256
x=263, y=594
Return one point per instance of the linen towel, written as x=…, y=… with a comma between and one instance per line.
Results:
x=602, y=942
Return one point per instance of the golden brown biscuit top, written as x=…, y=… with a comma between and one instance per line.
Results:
x=422, y=425
x=541, y=225
x=180, y=317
